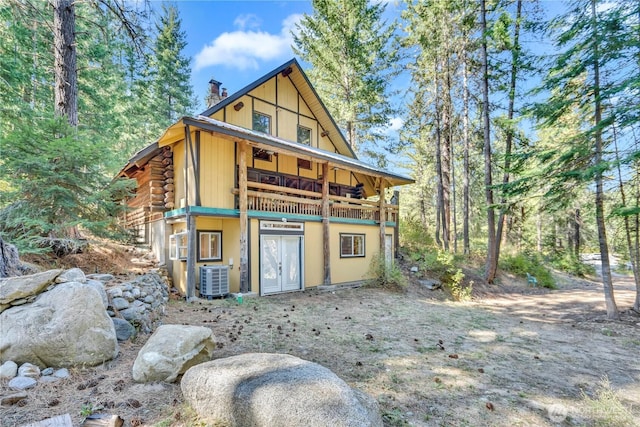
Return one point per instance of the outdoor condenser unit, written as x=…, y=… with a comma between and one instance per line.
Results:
x=214, y=281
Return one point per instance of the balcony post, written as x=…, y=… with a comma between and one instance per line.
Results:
x=326, y=247
x=383, y=220
x=244, y=219
x=396, y=237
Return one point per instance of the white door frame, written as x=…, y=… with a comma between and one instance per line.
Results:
x=281, y=257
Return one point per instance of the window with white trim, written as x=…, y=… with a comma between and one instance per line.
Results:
x=351, y=245
x=304, y=135
x=178, y=246
x=261, y=122
x=209, y=245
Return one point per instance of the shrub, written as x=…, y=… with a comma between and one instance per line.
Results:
x=386, y=275
x=444, y=265
x=524, y=263
x=414, y=237
x=606, y=409
x=569, y=263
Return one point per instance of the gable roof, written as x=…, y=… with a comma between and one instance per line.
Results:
x=301, y=82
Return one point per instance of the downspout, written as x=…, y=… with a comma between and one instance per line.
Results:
x=191, y=226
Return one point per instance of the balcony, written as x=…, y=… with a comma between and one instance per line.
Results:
x=278, y=199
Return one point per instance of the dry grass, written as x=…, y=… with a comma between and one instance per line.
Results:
x=513, y=357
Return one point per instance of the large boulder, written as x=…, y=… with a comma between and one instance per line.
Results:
x=66, y=326
x=72, y=275
x=21, y=287
x=171, y=350
x=262, y=389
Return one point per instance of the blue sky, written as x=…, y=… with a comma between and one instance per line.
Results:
x=236, y=42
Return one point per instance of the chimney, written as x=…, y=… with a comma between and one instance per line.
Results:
x=214, y=93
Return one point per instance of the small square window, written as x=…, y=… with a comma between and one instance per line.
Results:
x=351, y=245
x=304, y=164
x=261, y=122
x=209, y=245
x=178, y=246
x=304, y=135
x=259, y=153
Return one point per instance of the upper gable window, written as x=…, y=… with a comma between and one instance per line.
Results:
x=304, y=135
x=261, y=122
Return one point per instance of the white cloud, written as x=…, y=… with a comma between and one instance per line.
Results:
x=395, y=124
x=243, y=49
x=249, y=20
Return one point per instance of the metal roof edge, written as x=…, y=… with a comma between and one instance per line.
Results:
x=276, y=142
x=248, y=88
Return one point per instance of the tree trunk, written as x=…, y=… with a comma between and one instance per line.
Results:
x=446, y=153
x=627, y=225
x=466, y=171
x=10, y=264
x=441, y=215
x=492, y=261
x=576, y=234
x=515, y=57
x=612, y=309
x=66, y=74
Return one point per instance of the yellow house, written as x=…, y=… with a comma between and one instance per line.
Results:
x=263, y=194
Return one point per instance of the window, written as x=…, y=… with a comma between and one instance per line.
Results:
x=261, y=154
x=209, y=245
x=304, y=135
x=261, y=122
x=351, y=245
x=178, y=246
x=304, y=164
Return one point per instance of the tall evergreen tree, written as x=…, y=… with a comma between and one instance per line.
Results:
x=591, y=45
x=349, y=47
x=171, y=91
x=56, y=169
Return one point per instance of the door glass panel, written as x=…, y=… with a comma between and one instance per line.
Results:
x=388, y=248
x=290, y=263
x=269, y=264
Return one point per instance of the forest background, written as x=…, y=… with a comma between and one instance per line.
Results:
x=521, y=157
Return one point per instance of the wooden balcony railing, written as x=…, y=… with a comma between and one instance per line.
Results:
x=273, y=198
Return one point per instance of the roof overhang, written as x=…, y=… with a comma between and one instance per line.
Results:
x=139, y=159
x=176, y=133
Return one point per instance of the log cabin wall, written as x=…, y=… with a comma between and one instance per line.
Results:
x=154, y=195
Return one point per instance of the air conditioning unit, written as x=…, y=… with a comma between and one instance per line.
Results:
x=214, y=281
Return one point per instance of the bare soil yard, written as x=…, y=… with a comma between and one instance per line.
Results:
x=514, y=356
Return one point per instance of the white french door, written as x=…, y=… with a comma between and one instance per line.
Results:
x=388, y=248
x=280, y=263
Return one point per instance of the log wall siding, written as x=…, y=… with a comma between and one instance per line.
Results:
x=154, y=192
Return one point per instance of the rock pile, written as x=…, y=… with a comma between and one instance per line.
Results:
x=139, y=302
x=64, y=318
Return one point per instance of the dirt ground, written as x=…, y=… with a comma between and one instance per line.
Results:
x=514, y=356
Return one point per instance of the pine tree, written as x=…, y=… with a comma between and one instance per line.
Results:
x=171, y=91
x=56, y=150
x=349, y=48
x=593, y=43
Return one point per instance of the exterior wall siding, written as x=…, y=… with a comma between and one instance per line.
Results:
x=217, y=171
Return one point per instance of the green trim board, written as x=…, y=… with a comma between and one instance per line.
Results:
x=235, y=213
